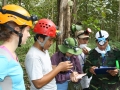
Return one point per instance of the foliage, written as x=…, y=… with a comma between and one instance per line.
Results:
x=99, y=14
x=95, y=14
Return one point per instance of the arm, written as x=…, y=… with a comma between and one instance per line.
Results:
x=77, y=65
x=48, y=77
x=3, y=67
x=116, y=71
x=34, y=69
x=77, y=69
x=88, y=65
x=61, y=76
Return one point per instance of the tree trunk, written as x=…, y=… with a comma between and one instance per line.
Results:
x=74, y=12
x=64, y=21
x=60, y=22
x=20, y=2
x=4, y=2
x=67, y=22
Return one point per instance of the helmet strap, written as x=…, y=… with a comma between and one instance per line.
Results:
x=43, y=43
x=19, y=34
x=20, y=39
x=32, y=18
x=100, y=34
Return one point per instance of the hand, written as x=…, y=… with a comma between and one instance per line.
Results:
x=85, y=51
x=92, y=69
x=113, y=72
x=73, y=76
x=65, y=66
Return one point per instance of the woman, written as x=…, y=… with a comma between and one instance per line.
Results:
x=68, y=51
x=15, y=23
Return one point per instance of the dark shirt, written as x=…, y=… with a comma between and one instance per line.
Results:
x=60, y=57
x=102, y=81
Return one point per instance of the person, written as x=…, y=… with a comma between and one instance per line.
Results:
x=67, y=52
x=75, y=28
x=83, y=39
x=15, y=23
x=103, y=56
x=37, y=63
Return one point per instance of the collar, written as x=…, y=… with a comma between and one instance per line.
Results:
x=103, y=51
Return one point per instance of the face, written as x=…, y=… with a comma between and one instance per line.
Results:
x=68, y=54
x=48, y=43
x=102, y=47
x=83, y=40
x=26, y=34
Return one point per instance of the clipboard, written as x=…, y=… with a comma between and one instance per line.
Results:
x=103, y=70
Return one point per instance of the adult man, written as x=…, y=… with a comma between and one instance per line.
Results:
x=83, y=38
x=103, y=56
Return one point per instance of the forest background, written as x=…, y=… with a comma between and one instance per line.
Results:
x=94, y=14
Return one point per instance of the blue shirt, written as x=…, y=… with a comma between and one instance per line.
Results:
x=11, y=73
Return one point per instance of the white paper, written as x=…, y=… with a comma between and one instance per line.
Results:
x=80, y=76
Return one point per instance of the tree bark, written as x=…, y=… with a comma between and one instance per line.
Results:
x=67, y=21
x=63, y=21
x=20, y=2
x=4, y=2
x=74, y=12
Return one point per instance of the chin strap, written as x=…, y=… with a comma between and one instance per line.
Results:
x=43, y=43
x=19, y=34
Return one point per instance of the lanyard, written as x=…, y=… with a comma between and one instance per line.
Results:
x=67, y=58
x=103, y=60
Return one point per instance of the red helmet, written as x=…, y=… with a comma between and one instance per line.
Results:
x=45, y=27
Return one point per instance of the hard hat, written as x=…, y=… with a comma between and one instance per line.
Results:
x=45, y=27
x=17, y=14
x=101, y=36
x=102, y=33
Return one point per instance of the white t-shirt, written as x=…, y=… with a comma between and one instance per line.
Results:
x=37, y=65
x=85, y=81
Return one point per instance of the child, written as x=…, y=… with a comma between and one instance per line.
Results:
x=38, y=63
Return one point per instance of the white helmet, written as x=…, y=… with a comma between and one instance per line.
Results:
x=101, y=36
x=102, y=33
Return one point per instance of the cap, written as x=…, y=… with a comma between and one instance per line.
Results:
x=81, y=34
